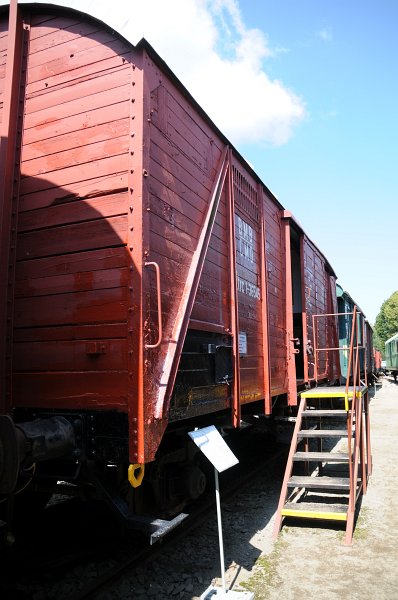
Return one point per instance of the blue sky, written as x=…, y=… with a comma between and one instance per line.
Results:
x=338, y=173
x=307, y=91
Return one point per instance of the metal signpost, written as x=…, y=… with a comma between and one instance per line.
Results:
x=210, y=442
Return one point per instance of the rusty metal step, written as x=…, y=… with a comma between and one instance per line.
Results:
x=317, y=483
x=324, y=413
x=321, y=456
x=320, y=433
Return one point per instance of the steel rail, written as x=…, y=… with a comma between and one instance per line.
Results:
x=196, y=518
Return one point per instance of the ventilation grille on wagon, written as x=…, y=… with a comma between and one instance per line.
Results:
x=246, y=197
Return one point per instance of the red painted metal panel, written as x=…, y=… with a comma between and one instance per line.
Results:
x=10, y=133
x=103, y=390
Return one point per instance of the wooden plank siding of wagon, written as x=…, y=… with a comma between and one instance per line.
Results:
x=276, y=296
x=317, y=304
x=185, y=190
x=132, y=206
x=168, y=108
x=105, y=207
x=318, y=297
x=13, y=80
x=72, y=270
x=248, y=210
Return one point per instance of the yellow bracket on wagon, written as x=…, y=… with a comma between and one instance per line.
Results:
x=136, y=474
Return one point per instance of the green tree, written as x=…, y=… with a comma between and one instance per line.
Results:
x=386, y=324
x=377, y=343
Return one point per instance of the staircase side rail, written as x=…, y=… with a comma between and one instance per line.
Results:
x=365, y=357
x=350, y=415
x=356, y=411
x=289, y=467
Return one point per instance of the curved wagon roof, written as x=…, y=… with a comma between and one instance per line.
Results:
x=392, y=338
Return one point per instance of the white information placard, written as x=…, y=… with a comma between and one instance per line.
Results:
x=212, y=445
x=242, y=342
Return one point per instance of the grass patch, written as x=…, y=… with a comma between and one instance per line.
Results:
x=265, y=575
x=362, y=525
x=361, y=530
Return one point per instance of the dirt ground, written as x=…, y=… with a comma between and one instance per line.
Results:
x=312, y=562
x=306, y=561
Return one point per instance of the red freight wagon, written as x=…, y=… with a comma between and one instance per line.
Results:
x=377, y=360
x=153, y=281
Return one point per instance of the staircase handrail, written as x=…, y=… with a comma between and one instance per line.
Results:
x=316, y=349
x=353, y=372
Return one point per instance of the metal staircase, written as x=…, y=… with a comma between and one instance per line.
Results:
x=330, y=448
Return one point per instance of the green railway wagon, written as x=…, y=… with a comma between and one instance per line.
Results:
x=345, y=309
x=391, y=355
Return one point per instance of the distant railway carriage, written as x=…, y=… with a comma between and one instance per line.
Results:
x=364, y=332
x=377, y=360
x=391, y=355
x=152, y=282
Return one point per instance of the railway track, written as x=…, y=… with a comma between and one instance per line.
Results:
x=197, y=515
x=115, y=552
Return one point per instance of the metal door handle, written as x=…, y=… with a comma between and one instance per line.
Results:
x=158, y=291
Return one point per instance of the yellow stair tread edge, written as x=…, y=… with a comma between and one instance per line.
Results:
x=333, y=392
x=307, y=514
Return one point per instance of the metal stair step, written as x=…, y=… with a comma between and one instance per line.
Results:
x=321, y=456
x=316, y=483
x=323, y=392
x=315, y=510
x=324, y=413
x=319, y=433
